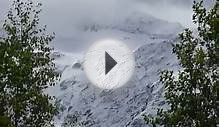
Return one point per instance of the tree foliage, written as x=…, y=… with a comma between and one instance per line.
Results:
x=193, y=94
x=26, y=69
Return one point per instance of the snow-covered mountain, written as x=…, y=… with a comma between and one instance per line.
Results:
x=138, y=23
x=124, y=106
x=134, y=29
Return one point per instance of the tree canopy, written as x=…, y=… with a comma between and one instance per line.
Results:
x=26, y=69
x=193, y=94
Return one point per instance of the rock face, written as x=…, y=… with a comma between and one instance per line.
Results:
x=122, y=107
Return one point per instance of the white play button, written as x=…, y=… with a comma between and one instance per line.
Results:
x=109, y=64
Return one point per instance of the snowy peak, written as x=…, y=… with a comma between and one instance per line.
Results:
x=141, y=23
x=138, y=23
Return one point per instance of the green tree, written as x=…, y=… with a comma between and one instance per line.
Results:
x=193, y=94
x=26, y=69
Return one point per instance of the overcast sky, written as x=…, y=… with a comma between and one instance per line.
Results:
x=76, y=10
x=72, y=12
x=63, y=16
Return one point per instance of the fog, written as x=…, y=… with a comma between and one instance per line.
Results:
x=65, y=16
x=65, y=13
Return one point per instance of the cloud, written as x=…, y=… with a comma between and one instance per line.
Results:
x=72, y=13
x=65, y=16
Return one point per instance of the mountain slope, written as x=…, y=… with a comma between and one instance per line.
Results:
x=124, y=106
x=120, y=107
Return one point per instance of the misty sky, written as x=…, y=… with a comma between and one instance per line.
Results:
x=64, y=16
x=72, y=12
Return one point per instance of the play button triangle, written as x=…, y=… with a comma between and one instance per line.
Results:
x=109, y=63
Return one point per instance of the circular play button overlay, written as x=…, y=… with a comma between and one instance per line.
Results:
x=109, y=64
